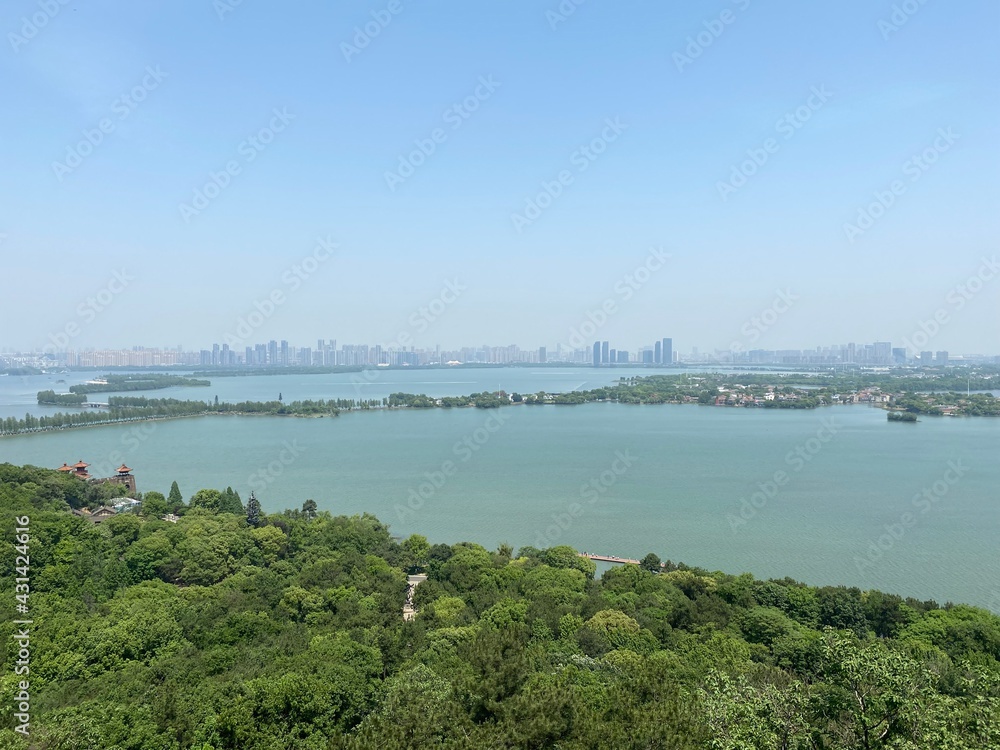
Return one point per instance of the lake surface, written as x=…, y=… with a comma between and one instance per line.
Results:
x=605, y=478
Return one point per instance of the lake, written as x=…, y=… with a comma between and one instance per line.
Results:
x=843, y=496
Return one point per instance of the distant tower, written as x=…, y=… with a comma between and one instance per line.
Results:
x=605, y=353
x=124, y=475
x=597, y=354
x=668, y=351
x=658, y=353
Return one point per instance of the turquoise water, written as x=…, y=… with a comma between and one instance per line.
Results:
x=682, y=473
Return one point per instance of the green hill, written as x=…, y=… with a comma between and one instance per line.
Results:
x=212, y=633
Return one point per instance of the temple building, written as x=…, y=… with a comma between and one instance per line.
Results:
x=124, y=476
x=79, y=469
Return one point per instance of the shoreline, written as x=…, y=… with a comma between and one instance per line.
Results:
x=130, y=420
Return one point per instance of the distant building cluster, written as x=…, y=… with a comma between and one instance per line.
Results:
x=327, y=353
x=878, y=354
x=660, y=353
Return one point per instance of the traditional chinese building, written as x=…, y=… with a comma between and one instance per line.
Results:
x=79, y=469
x=124, y=476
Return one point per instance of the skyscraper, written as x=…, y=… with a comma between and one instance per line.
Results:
x=597, y=354
x=658, y=353
x=541, y=355
x=605, y=352
x=668, y=351
x=883, y=352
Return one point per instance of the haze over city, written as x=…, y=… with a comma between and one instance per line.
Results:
x=360, y=174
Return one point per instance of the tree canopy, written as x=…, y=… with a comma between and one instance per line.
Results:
x=214, y=633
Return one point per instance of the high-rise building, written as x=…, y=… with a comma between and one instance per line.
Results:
x=272, y=353
x=647, y=355
x=926, y=358
x=605, y=353
x=941, y=358
x=541, y=355
x=883, y=352
x=613, y=356
x=899, y=355
x=668, y=351
x=622, y=357
x=597, y=354
x=284, y=354
x=215, y=355
x=658, y=353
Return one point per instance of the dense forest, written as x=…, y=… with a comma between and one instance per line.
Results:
x=234, y=628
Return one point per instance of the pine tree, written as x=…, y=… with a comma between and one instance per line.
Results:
x=309, y=509
x=253, y=511
x=230, y=502
x=175, y=498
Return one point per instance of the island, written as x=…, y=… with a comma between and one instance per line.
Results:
x=903, y=394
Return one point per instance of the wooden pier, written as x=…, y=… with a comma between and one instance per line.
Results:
x=610, y=558
x=613, y=559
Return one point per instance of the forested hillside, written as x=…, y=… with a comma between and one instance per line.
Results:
x=287, y=632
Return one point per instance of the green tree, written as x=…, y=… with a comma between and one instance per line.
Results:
x=418, y=549
x=651, y=562
x=175, y=499
x=230, y=502
x=309, y=509
x=253, y=511
x=207, y=499
x=154, y=504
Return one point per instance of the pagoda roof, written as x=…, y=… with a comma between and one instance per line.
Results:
x=64, y=467
x=123, y=469
x=80, y=465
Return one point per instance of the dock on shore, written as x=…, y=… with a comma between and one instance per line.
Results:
x=609, y=558
x=614, y=559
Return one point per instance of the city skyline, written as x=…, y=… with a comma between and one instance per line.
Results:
x=327, y=353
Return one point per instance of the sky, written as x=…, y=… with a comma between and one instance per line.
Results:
x=730, y=174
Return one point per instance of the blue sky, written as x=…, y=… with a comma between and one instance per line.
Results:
x=553, y=81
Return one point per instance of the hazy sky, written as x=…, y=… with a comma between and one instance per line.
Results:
x=738, y=137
